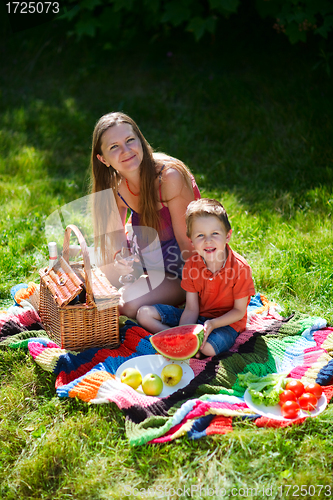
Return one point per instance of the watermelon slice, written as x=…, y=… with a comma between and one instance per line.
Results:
x=180, y=342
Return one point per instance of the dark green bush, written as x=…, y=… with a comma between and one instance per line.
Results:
x=298, y=18
x=119, y=21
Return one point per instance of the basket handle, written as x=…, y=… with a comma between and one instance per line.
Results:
x=85, y=254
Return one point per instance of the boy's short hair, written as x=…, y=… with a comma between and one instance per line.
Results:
x=205, y=207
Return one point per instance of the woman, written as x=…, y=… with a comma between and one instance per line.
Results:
x=156, y=189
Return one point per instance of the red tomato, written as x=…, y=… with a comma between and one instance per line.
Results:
x=287, y=396
x=296, y=386
x=290, y=409
x=315, y=389
x=308, y=401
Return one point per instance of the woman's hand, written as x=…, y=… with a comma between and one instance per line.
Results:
x=123, y=266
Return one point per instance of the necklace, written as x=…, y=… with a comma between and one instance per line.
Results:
x=130, y=189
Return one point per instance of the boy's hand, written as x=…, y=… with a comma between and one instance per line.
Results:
x=208, y=328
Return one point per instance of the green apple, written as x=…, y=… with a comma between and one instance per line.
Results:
x=131, y=377
x=172, y=374
x=152, y=384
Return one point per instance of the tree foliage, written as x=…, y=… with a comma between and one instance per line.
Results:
x=298, y=18
x=120, y=21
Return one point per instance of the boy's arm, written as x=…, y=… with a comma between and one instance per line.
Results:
x=235, y=314
x=191, y=311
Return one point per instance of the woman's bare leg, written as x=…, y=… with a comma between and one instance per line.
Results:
x=157, y=289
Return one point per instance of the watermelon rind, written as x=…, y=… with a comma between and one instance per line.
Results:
x=178, y=343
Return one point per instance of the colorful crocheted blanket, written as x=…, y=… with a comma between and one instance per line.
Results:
x=300, y=345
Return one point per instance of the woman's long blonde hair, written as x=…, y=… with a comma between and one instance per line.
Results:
x=104, y=177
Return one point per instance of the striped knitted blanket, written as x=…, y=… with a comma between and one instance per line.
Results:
x=213, y=401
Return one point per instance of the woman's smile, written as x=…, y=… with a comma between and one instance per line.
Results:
x=128, y=159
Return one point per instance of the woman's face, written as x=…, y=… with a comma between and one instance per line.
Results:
x=121, y=148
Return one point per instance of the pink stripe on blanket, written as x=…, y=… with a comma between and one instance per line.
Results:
x=204, y=408
x=257, y=323
x=35, y=348
x=4, y=318
x=320, y=336
x=28, y=317
x=298, y=372
x=127, y=397
x=310, y=356
x=199, y=365
x=241, y=339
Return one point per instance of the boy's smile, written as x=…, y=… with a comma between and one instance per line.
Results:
x=209, y=239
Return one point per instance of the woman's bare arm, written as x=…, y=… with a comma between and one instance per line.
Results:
x=178, y=195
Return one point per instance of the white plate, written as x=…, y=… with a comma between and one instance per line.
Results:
x=274, y=412
x=154, y=363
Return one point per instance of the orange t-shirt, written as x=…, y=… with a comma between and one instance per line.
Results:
x=218, y=291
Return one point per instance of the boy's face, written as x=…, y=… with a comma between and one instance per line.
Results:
x=209, y=238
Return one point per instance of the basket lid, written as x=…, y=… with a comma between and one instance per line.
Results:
x=62, y=282
x=101, y=287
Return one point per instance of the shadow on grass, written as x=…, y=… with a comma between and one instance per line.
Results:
x=258, y=124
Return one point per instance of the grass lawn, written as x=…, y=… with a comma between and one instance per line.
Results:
x=254, y=123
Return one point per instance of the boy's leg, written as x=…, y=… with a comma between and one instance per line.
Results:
x=220, y=340
x=149, y=318
x=207, y=350
x=158, y=317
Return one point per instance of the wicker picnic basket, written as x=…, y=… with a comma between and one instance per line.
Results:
x=78, y=306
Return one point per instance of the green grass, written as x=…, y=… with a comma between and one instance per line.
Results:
x=254, y=124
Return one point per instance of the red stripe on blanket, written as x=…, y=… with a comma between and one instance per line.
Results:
x=328, y=391
x=269, y=422
x=219, y=425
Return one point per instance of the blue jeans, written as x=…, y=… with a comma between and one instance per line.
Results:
x=221, y=339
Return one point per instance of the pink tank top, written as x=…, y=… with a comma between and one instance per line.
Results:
x=173, y=261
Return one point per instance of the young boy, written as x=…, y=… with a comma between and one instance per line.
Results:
x=217, y=280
